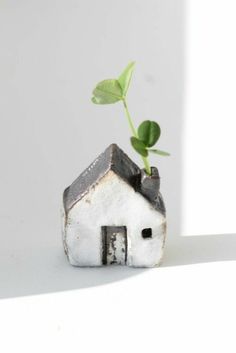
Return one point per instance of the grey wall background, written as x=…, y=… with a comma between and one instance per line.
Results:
x=52, y=54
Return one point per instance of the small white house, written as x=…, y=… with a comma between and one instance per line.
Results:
x=113, y=213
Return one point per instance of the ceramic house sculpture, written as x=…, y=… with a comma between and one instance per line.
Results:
x=113, y=213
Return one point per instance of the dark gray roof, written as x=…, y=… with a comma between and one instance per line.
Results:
x=113, y=158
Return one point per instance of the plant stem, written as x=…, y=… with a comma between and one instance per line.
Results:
x=132, y=128
x=134, y=132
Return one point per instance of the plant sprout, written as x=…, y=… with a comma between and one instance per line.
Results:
x=114, y=90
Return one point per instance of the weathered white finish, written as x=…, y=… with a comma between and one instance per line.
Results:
x=113, y=203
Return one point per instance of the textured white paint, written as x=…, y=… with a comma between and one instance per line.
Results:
x=114, y=203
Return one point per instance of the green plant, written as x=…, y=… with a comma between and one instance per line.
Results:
x=114, y=90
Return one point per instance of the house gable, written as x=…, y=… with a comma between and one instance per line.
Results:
x=113, y=158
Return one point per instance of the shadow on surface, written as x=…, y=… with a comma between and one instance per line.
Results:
x=27, y=274
x=53, y=274
x=200, y=249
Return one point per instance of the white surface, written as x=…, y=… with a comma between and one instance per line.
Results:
x=113, y=202
x=178, y=309
x=51, y=55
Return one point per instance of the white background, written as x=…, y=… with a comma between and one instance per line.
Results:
x=51, y=55
x=210, y=112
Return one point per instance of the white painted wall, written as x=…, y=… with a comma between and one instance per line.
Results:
x=53, y=53
x=209, y=189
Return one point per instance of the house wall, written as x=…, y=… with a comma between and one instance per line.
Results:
x=113, y=202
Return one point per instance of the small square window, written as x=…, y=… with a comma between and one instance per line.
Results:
x=147, y=233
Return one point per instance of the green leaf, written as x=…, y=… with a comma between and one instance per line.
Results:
x=139, y=146
x=149, y=132
x=107, y=92
x=161, y=153
x=125, y=77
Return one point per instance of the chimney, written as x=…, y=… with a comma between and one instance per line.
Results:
x=150, y=185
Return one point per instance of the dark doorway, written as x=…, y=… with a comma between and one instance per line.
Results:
x=114, y=241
